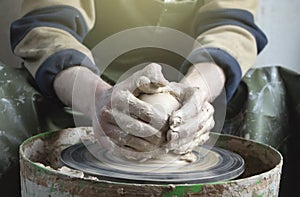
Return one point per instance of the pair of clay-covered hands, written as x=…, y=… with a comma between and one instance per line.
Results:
x=139, y=130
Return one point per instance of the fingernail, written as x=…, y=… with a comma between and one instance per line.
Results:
x=142, y=81
x=175, y=121
x=172, y=136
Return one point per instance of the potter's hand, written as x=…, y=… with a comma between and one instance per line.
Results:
x=190, y=125
x=123, y=121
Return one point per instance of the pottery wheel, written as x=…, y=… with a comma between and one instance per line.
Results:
x=212, y=164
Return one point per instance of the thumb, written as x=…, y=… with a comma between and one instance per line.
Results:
x=151, y=79
x=147, y=80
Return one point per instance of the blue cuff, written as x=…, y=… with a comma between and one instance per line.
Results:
x=230, y=66
x=237, y=17
x=66, y=18
x=56, y=63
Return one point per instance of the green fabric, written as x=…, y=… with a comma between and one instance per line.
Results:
x=259, y=108
x=23, y=113
x=266, y=108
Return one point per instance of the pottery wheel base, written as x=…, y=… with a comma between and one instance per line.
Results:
x=212, y=164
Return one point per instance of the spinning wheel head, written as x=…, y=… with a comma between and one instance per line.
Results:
x=212, y=164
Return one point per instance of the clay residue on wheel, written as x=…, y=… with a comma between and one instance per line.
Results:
x=47, y=149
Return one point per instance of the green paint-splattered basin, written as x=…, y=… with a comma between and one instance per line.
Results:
x=39, y=161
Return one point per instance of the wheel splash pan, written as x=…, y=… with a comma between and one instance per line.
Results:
x=261, y=176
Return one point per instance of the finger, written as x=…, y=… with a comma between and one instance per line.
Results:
x=134, y=151
x=157, y=139
x=195, y=122
x=190, y=146
x=138, y=144
x=101, y=137
x=189, y=143
x=145, y=85
x=130, y=125
x=154, y=72
x=154, y=115
x=190, y=126
x=151, y=80
x=192, y=105
x=146, y=80
x=132, y=106
x=111, y=137
x=185, y=143
x=123, y=139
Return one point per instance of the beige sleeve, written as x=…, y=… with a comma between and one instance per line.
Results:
x=49, y=38
x=86, y=7
x=228, y=36
x=230, y=30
